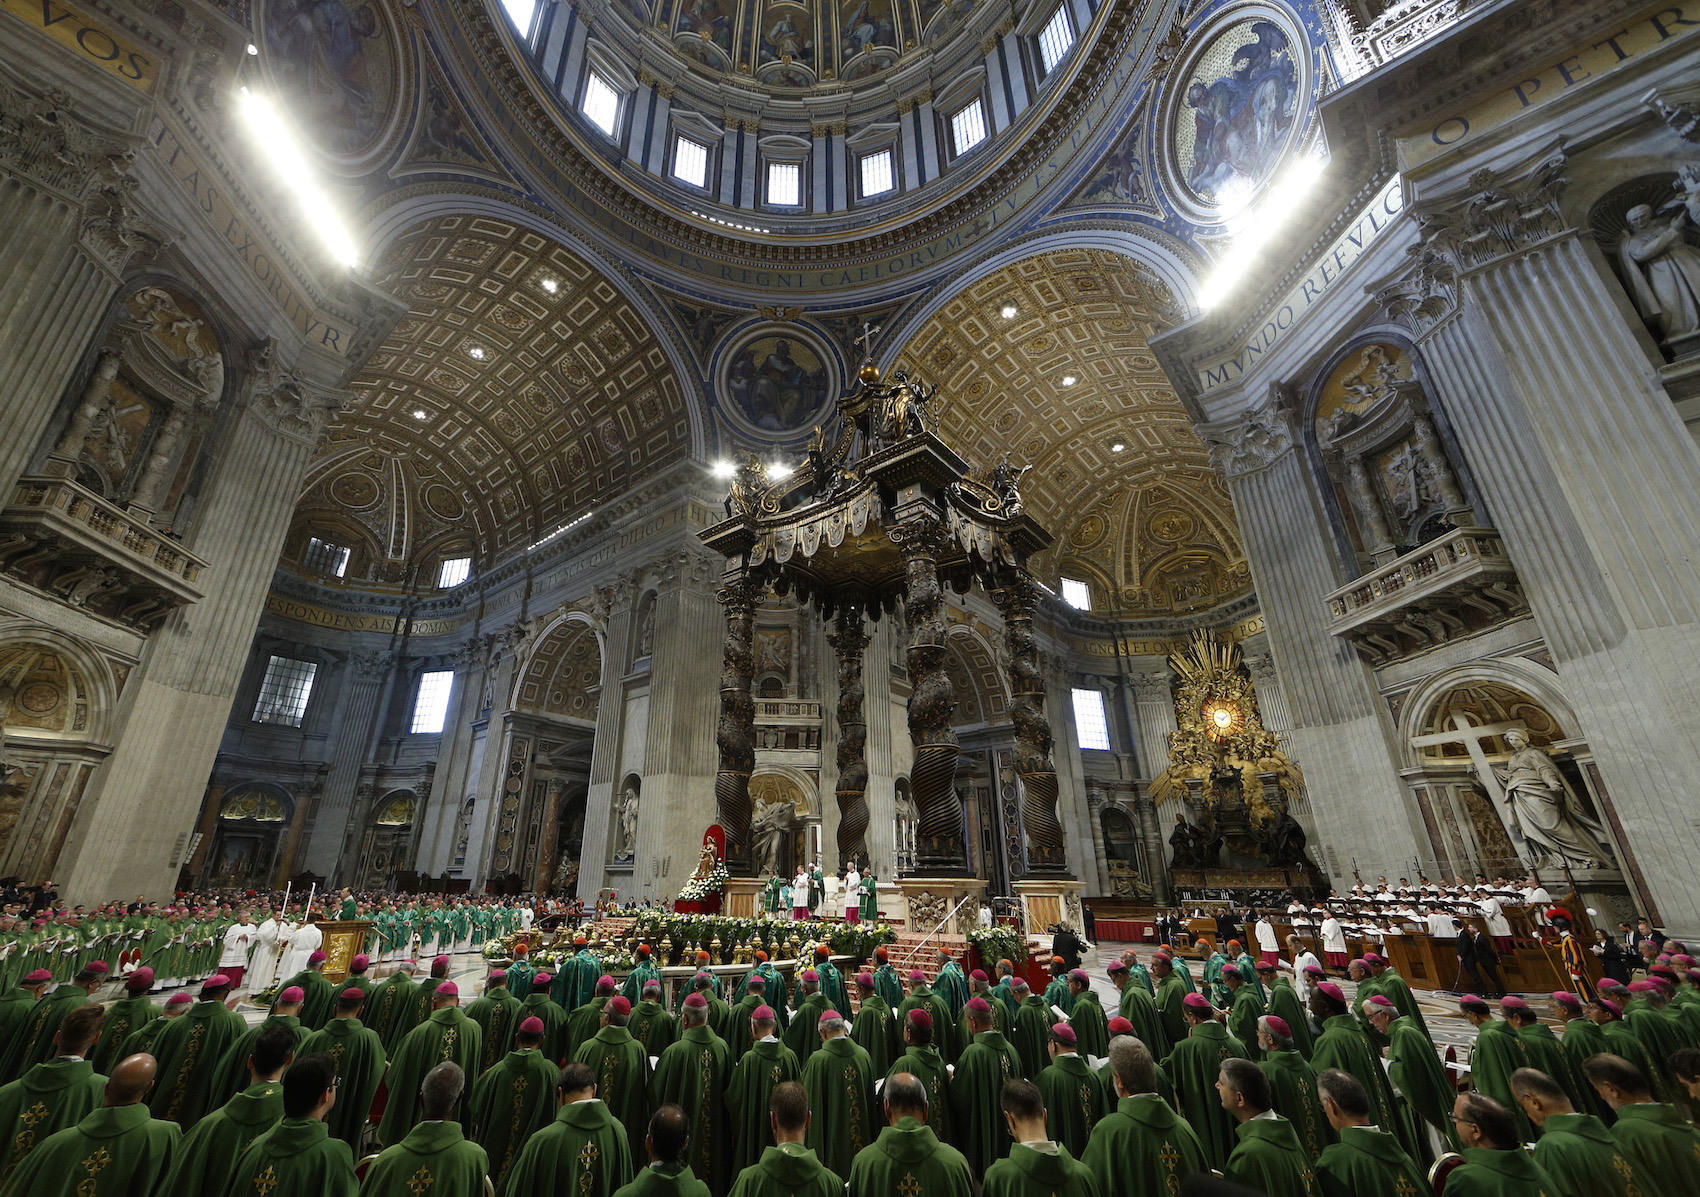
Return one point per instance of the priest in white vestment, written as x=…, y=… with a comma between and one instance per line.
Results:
x=306, y=940
x=262, y=965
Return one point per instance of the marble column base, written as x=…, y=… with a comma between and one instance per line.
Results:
x=1046, y=901
x=926, y=900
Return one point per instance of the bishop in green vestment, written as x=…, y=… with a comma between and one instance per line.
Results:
x=1030, y=1031
x=55, y=1094
x=765, y=1066
x=975, y=1087
x=738, y=1018
x=950, y=984
x=1651, y=1135
x=422, y=1001
x=587, y=1019
x=1193, y=1066
x=447, y=1035
x=803, y=1035
x=1284, y=1004
x=118, y=1150
x=231, y=1075
x=921, y=997
x=316, y=992
x=1245, y=1007
x=1363, y=1160
x=1499, y=1053
x=1037, y=1166
x=1398, y=991
x=202, y=1164
x=1268, y=1157
x=651, y=1025
x=299, y=1157
x=621, y=1070
x=435, y=1156
x=980, y=986
x=886, y=982
x=390, y=1005
x=875, y=1029
x=521, y=973
x=1415, y=1069
x=1057, y=992
x=18, y=1001
x=1072, y=1092
x=189, y=1050
x=356, y=979
x=839, y=1080
x=1139, y=1008
x=1168, y=1000
x=584, y=1152
x=539, y=1005
x=692, y=1074
x=922, y=1060
x=1142, y=1143
x=789, y=1168
x=908, y=1158
x=35, y=1043
x=642, y=970
x=1292, y=1086
x=359, y=1056
x=575, y=981
x=1582, y=1038
x=1576, y=1150
x=1342, y=1045
x=513, y=1100
x=496, y=1013
x=1086, y=1016
x=130, y=1013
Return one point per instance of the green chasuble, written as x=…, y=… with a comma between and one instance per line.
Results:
x=766, y=1065
x=434, y=1157
x=1170, y=992
x=1193, y=1066
x=16, y=1004
x=1658, y=1034
x=1292, y=1085
x=1057, y=994
x=909, y=1159
x=664, y=1180
x=1270, y=1159
x=1342, y=1045
x=1284, y=1004
x=144, y=1039
x=406, y=1020
x=188, y=1051
x=1091, y=1028
x=952, y=987
x=1243, y=1014
x=34, y=1044
x=115, y=1151
x=385, y=1006
x=1398, y=991
x=975, y=1089
x=653, y=1027
x=510, y=1103
x=692, y=1074
x=202, y=1163
x=832, y=986
x=45, y=1100
x=927, y=1066
x=315, y=997
x=582, y=1153
x=803, y=1035
x=520, y=973
x=1580, y=1040
x=1544, y=1053
x=1655, y=1138
x=447, y=1035
x=1366, y=1162
x=541, y=1006
x=632, y=987
x=1214, y=987
x=1499, y=1053
x=1140, y=1008
x=359, y=1056
x=1145, y=1146
x=582, y=1024
x=621, y=1070
x=738, y=1024
x=1583, y=1159
x=1487, y=1172
x=1074, y=1101
x=888, y=986
x=298, y=1156
x=122, y=1017
x=1029, y=1172
x=840, y=1083
x=1415, y=1068
x=231, y=1075
x=575, y=982
x=944, y=1027
x=496, y=1014
x=1030, y=1032
x=876, y=1032
x=788, y=1171
x=1621, y=1041
x=361, y=981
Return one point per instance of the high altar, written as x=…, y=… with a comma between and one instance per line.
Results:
x=885, y=511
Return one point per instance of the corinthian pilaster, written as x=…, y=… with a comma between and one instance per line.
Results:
x=1154, y=710
x=335, y=833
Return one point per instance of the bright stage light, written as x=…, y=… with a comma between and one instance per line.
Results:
x=779, y=470
x=275, y=136
x=723, y=469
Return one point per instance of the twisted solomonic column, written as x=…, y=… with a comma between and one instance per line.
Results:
x=932, y=701
x=736, y=733
x=1017, y=599
x=850, y=641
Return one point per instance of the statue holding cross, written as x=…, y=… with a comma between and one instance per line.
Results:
x=1539, y=802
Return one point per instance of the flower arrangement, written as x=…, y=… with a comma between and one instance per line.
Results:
x=690, y=931
x=698, y=888
x=999, y=942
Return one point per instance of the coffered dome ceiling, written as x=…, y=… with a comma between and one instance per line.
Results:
x=1150, y=525
x=521, y=389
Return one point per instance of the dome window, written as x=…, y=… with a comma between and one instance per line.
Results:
x=1055, y=39
x=690, y=162
x=877, y=175
x=968, y=126
x=784, y=184
x=601, y=103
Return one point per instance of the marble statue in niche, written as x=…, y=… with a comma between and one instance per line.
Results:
x=625, y=839
x=1663, y=269
x=771, y=829
x=1541, y=804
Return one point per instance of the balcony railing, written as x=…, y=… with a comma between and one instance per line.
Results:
x=1455, y=585
x=66, y=541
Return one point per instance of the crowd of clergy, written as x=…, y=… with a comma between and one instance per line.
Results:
x=883, y=1083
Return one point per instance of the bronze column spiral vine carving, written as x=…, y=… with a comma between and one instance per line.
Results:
x=1017, y=599
x=932, y=699
x=736, y=733
x=850, y=641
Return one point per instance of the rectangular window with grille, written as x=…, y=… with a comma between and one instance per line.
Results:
x=690, y=162
x=968, y=126
x=601, y=103
x=520, y=13
x=453, y=571
x=784, y=184
x=1077, y=594
x=1089, y=722
x=431, y=706
x=1056, y=38
x=877, y=173
x=284, y=692
x=323, y=557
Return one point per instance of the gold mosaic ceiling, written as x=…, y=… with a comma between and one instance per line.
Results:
x=520, y=390
x=1153, y=521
